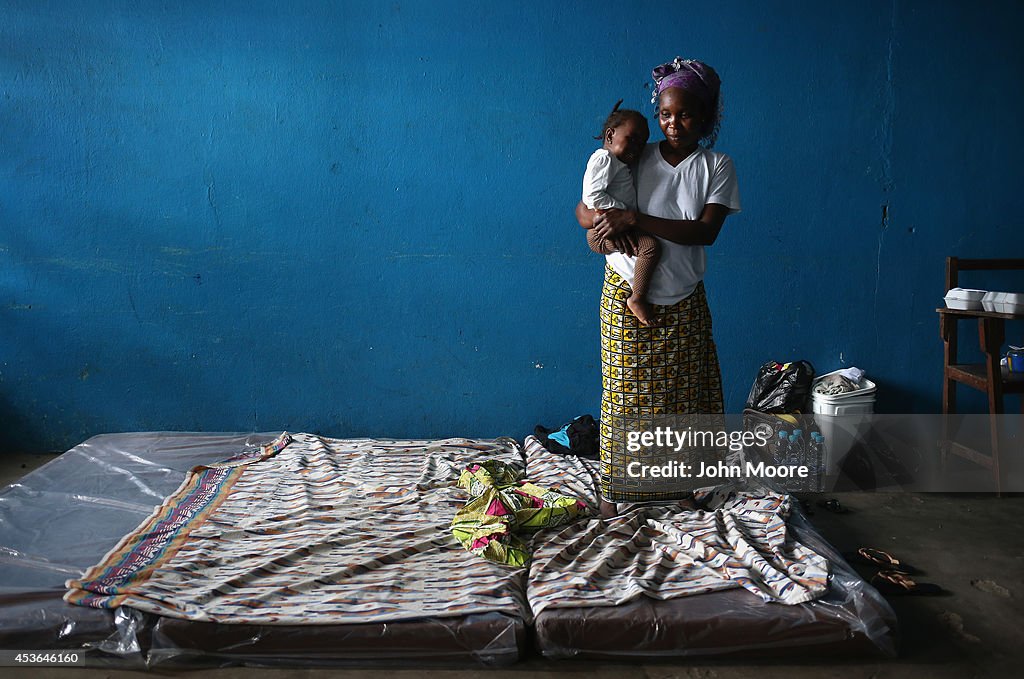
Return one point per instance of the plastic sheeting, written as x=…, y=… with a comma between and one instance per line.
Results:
x=851, y=619
x=63, y=517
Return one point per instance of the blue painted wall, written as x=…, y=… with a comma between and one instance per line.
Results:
x=356, y=218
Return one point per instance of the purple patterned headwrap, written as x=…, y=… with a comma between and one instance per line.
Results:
x=697, y=78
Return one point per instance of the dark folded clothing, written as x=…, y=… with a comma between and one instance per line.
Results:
x=579, y=437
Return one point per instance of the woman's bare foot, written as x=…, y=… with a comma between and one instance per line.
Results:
x=688, y=504
x=608, y=509
x=642, y=309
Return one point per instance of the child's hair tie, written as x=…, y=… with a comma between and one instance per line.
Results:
x=617, y=116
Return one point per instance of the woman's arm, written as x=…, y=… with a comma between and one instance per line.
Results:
x=701, y=231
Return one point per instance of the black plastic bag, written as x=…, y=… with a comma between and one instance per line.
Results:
x=581, y=434
x=781, y=388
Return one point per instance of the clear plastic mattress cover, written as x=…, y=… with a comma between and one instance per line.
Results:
x=852, y=619
x=63, y=517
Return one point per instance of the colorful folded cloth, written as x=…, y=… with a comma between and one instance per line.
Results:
x=502, y=506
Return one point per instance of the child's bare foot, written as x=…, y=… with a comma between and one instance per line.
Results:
x=608, y=509
x=643, y=310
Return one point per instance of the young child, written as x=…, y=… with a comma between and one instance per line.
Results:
x=608, y=183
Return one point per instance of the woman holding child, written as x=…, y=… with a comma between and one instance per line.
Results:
x=684, y=193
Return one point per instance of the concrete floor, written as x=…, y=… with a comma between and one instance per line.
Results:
x=971, y=545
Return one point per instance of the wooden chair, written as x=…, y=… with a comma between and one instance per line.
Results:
x=986, y=376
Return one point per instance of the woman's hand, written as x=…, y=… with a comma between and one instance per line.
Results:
x=613, y=223
x=626, y=243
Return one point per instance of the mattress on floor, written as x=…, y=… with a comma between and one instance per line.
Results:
x=629, y=587
x=108, y=506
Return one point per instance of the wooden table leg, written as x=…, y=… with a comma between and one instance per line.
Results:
x=947, y=328
x=948, y=331
x=991, y=333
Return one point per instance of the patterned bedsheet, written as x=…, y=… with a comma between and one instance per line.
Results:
x=311, y=530
x=726, y=538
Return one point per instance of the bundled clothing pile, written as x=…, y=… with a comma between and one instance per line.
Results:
x=842, y=382
x=503, y=506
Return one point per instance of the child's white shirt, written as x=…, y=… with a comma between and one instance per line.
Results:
x=608, y=183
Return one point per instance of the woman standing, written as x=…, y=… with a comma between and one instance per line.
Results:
x=684, y=193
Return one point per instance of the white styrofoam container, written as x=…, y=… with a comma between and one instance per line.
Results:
x=992, y=301
x=1011, y=303
x=964, y=299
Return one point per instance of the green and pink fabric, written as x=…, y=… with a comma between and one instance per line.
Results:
x=502, y=507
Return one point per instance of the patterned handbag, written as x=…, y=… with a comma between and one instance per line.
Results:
x=789, y=440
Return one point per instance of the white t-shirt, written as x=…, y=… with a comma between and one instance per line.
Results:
x=608, y=183
x=679, y=192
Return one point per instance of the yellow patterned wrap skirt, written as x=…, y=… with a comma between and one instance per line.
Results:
x=652, y=373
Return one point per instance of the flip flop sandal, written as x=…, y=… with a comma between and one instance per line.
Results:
x=884, y=560
x=892, y=582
